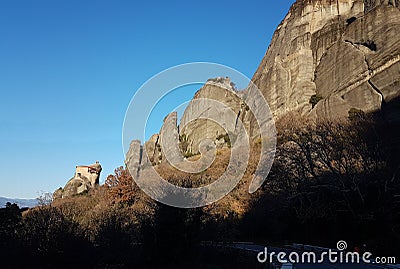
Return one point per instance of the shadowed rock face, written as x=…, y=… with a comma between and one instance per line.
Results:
x=344, y=54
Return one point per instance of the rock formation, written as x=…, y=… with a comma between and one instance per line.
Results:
x=85, y=178
x=194, y=126
x=327, y=57
x=184, y=140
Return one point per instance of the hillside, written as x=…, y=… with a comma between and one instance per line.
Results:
x=331, y=78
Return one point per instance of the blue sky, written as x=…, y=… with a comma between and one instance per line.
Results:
x=68, y=70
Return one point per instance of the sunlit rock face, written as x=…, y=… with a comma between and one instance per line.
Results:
x=86, y=177
x=204, y=119
x=327, y=57
x=212, y=116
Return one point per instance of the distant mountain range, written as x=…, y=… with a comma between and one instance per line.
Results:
x=19, y=202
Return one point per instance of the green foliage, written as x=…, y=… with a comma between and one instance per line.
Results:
x=183, y=138
x=226, y=138
x=217, y=80
x=188, y=154
x=183, y=144
x=356, y=114
x=315, y=99
x=222, y=80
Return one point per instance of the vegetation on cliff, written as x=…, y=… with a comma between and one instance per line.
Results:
x=329, y=181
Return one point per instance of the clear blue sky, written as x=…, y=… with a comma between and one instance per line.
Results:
x=68, y=70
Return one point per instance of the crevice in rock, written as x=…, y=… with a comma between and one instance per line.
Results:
x=369, y=44
x=140, y=154
x=370, y=71
x=376, y=89
x=393, y=3
x=140, y=160
x=156, y=144
x=351, y=20
x=237, y=118
x=355, y=45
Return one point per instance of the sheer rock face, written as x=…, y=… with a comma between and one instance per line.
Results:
x=325, y=58
x=133, y=158
x=185, y=139
x=152, y=151
x=345, y=52
x=194, y=126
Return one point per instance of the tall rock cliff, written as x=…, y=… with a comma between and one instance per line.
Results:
x=217, y=99
x=327, y=57
x=197, y=121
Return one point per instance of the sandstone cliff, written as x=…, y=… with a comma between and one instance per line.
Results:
x=327, y=57
x=197, y=124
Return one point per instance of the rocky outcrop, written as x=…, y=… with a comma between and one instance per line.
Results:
x=197, y=124
x=208, y=122
x=133, y=158
x=153, y=149
x=327, y=57
x=86, y=177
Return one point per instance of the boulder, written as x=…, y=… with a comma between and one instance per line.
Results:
x=86, y=177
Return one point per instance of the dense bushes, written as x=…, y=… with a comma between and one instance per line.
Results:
x=329, y=181
x=10, y=222
x=333, y=180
